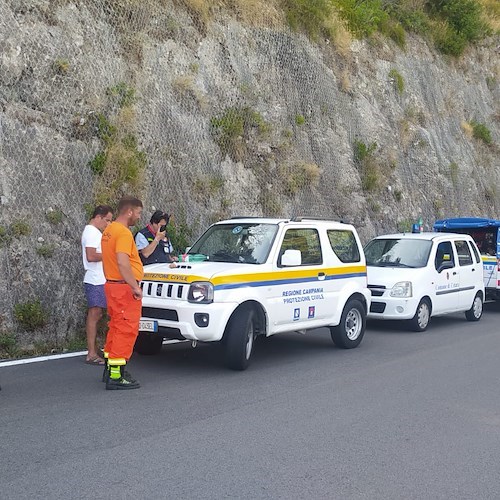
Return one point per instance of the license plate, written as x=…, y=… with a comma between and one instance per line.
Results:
x=148, y=325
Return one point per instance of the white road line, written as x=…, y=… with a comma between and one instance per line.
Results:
x=52, y=357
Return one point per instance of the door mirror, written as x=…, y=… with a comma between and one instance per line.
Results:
x=291, y=258
x=447, y=264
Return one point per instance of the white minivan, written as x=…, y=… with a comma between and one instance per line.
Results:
x=413, y=276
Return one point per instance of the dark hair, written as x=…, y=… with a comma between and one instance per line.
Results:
x=101, y=210
x=158, y=216
x=128, y=202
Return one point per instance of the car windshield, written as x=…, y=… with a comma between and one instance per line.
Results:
x=248, y=243
x=402, y=252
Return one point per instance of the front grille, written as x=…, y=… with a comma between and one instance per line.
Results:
x=377, y=307
x=163, y=290
x=157, y=313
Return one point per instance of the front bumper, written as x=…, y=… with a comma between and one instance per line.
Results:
x=178, y=319
x=392, y=308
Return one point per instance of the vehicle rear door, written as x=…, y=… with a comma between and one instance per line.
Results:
x=470, y=273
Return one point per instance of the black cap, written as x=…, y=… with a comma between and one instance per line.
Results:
x=158, y=216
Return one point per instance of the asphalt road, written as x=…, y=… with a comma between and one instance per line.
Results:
x=405, y=416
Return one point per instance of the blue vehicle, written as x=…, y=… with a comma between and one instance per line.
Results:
x=487, y=237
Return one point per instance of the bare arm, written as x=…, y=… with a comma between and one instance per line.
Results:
x=126, y=272
x=92, y=255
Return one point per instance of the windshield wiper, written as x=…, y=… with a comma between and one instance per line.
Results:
x=389, y=264
x=222, y=256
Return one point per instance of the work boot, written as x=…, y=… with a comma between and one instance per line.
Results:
x=105, y=374
x=119, y=379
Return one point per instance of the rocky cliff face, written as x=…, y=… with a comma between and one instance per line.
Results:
x=214, y=118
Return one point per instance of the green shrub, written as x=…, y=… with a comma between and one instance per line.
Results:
x=31, y=315
x=61, y=66
x=235, y=124
x=464, y=16
x=7, y=344
x=399, y=83
x=123, y=94
x=363, y=17
x=46, y=250
x=300, y=120
x=106, y=131
x=412, y=20
x=454, y=172
x=310, y=16
x=395, y=31
x=369, y=169
x=481, y=131
x=20, y=228
x=449, y=42
x=299, y=176
x=180, y=234
x=54, y=216
x=98, y=163
x=362, y=151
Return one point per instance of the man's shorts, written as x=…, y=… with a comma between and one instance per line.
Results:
x=95, y=295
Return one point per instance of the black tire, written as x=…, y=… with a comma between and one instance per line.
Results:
x=239, y=338
x=349, y=332
x=148, y=344
x=422, y=318
x=476, y=310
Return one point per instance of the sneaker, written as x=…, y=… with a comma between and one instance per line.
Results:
x=122, y=383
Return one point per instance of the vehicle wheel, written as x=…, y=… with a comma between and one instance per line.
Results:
x=476, y=311
x=350, y=330
x=239, y=338
x=420, y=321
x=148, y=344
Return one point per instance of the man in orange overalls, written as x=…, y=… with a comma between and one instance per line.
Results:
x=123, y=271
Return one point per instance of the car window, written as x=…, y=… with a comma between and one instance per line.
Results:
x=463, y=252
x=444, y=253
x=305, y=240
x=344, y=245
x=475, y=252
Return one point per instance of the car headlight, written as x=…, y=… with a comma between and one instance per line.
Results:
x=402, y=289
x=201, y=292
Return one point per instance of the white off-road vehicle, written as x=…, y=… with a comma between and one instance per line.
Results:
x=246, y=277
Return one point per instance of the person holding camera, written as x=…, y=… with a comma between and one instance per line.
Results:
x=153, y=243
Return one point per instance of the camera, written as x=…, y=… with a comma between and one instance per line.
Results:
x=163, y=228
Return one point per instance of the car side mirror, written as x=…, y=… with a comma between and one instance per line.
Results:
x=291, y=258
x=447, y=264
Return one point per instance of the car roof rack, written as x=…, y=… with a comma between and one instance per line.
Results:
x=301, y=218
x=247, y=217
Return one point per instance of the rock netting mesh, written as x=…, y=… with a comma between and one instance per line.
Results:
x=205, y=113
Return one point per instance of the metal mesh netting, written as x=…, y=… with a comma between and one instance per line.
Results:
x=203, y=109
